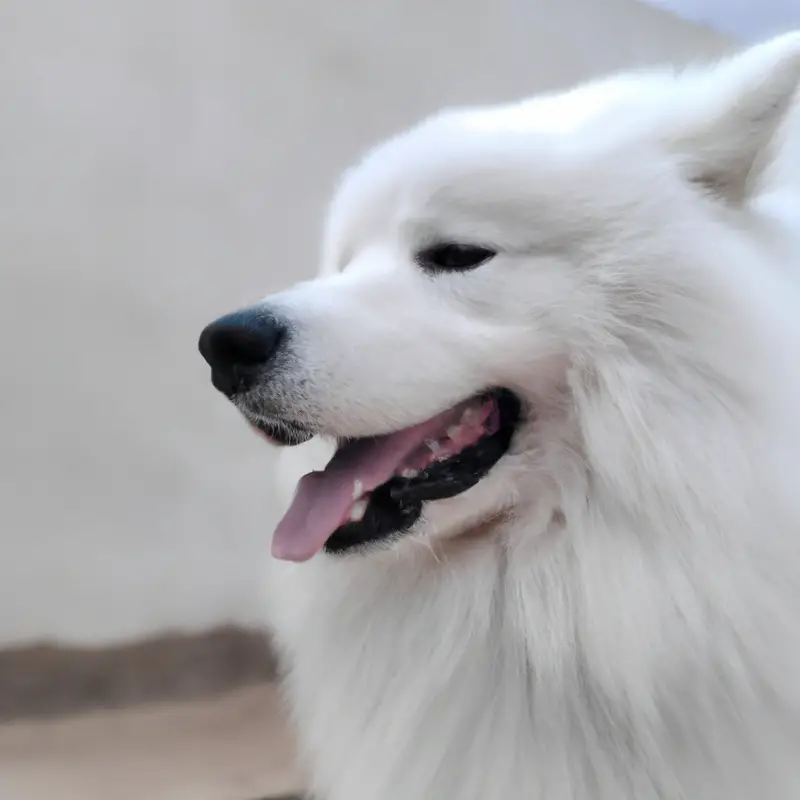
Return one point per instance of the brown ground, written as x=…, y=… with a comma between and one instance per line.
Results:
x=234, y=747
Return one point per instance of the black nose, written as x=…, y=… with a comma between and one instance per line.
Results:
x=238, y=347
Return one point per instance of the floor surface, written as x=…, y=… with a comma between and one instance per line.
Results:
x=234, y=747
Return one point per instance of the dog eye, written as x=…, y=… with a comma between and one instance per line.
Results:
x=453, y=257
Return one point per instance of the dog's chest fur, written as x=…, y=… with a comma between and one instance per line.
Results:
x=473, y=681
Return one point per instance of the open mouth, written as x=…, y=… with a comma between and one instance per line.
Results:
x=373, y=488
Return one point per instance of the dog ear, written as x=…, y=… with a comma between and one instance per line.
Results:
x=731, y=117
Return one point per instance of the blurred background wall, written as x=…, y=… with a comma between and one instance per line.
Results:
x=161, y=163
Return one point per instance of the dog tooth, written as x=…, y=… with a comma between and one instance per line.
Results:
x=433, y=446
x=358, y=510
x=358, y=489
x=469, y=416
x=408, y=473
x=454, y=432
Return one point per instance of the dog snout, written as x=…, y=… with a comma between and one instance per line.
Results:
x=240, y=347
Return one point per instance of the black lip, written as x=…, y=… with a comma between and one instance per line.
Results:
x=396, y=505
x=286, y=434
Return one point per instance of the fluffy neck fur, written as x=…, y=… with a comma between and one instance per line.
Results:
x=586, y=664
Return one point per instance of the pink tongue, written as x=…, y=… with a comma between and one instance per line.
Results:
x=323, y=500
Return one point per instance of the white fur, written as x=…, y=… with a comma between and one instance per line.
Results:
x=614, y=612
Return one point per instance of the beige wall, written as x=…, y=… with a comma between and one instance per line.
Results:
x=160, y=163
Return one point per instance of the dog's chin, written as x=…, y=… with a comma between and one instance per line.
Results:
x=279, y=432
x=374, y=488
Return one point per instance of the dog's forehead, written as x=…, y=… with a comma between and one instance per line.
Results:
x=465, y=153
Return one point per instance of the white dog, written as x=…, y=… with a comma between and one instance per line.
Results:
x=557, y=553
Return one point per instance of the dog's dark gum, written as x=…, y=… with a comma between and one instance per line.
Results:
x=384, y=520
x=396, y=505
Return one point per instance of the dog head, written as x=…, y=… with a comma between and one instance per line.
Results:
x=476, y=271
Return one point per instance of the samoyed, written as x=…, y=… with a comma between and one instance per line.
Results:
x=554, y=346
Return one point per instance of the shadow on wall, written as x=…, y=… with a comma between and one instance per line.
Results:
x=47, y=681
